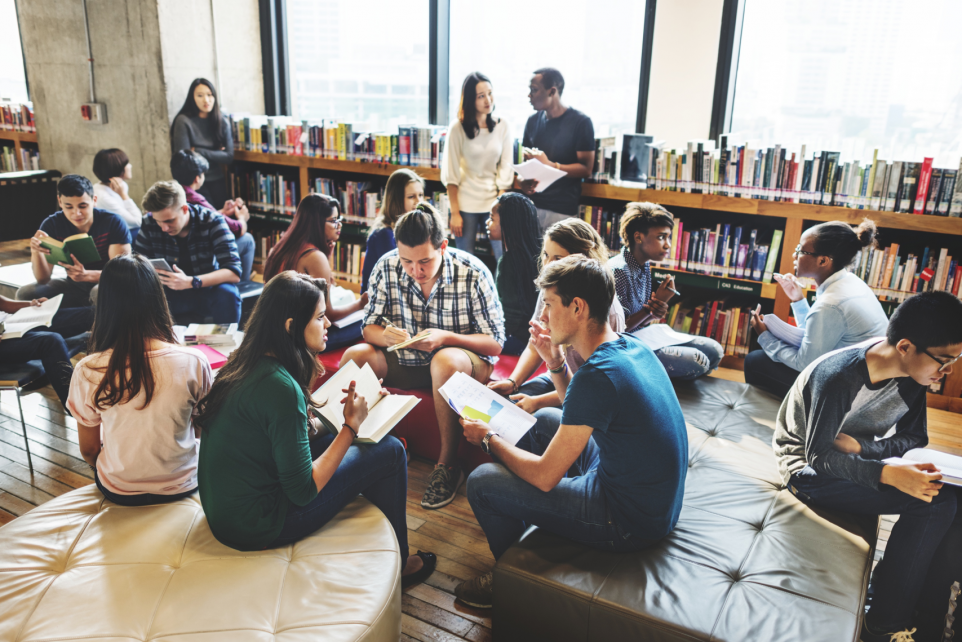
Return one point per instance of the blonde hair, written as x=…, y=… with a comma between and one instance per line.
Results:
x=641, y=217
x=576, y=237
x=392, y=207
x=163, y=195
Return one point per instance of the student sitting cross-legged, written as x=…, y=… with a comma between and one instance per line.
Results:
x=201, y=251
x=77, y=215
x=425, y=286
x=135, y=394
x=830, y=445
x=267, y=478
x=646, y=234
x=620, y=431
x=564, y=238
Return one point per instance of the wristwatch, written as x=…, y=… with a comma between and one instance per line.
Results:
x=486, y=442
x=196, y=283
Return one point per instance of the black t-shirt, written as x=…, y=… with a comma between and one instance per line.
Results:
x=560, y=139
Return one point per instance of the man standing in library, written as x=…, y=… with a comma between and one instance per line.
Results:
x=561, y=137
x=448, y=298
x=201, y=251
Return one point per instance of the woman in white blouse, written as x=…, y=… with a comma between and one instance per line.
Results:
x=113, y=168
x=477, y=164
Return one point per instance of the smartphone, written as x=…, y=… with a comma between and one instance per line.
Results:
x=161, y=264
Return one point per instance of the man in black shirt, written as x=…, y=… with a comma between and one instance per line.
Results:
x=561, y=137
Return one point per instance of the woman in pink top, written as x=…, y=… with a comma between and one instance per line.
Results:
x=134, y=396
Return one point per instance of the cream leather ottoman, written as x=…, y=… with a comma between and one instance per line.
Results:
x=81, y=567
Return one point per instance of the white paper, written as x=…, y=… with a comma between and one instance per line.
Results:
x=544, y=174
x=659, y=335
x=20, y=274
x=782, y=331
x=469, y=398
x=26, y=319
x=353, y=317
x=949, y=465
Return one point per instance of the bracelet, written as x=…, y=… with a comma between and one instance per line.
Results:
x=514, y=383
x=562, y=368
x=348, y=426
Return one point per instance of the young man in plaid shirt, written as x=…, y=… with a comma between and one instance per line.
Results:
x=425, y=285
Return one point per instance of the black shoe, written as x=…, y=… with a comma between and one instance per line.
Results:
x=430, y=563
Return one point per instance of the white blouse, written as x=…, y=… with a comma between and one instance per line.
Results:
x=109, y=200
x=479, y=166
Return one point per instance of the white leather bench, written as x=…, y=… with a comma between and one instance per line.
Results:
x=81, y=567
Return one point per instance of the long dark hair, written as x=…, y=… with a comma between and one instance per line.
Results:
x=839, y=241
x=522, y=243
x=309, y=226
x=215, y=122
x=467, y=112
x=392, y=207
x=131, y=310
x=288, y=295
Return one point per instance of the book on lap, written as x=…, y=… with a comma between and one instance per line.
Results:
x=80, y=245
x=14, y=326
x=949, y=465
x=383, y=412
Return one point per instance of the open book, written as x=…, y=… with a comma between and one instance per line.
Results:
x=473, y=400
x=26, y=319
x=383, y=412
x=949, y=465
x=80, y=245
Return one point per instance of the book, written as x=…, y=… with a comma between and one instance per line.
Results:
x=212, y=334
x=772, y=256
x=215, y=358
x=473, y=400
x=384, y=411
x=14, y=326
x=949, y=465
x=80, y=245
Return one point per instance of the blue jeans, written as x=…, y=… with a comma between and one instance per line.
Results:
x=771, y=376
x=220, y=302
x=691, y=360
x=899, y=577
x=48, y=345
x=577, y=508
x=75, y=294
x=245, y=247
x=472, y=223
x=377, y=471
x=340, y=337
x=515, y=345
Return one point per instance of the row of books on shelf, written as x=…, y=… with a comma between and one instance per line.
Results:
x=893, y=278
x=29, y=159
x=17, y=117
x=267, y=193
x=730, y=327
x=412, y=145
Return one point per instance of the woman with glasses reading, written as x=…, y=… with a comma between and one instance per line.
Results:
x=845, y=312
x=307, y=247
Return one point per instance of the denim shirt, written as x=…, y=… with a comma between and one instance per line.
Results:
x=845, y=312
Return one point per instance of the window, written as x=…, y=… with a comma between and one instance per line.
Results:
x=852, y=76
x=13, y=77
x=595, y=44
x=360, y=61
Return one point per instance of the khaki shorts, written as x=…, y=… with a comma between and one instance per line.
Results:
x=407, y=377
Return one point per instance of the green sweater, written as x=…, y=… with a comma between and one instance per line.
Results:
x=255, y=459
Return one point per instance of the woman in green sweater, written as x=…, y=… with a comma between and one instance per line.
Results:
x=264, y=481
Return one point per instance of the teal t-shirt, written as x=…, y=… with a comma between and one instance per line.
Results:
x=255, y=459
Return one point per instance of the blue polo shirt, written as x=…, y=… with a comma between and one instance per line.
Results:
x=107, y=229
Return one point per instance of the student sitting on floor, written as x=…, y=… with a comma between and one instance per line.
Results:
x=307, y=247
x=113, y=168
x=77, y=215
x=403, y=192
x=189, y=169
x=646, y=235
x=48, y=344
x=264, y=480
x=621, y=432
x=830, y=445
x=845, y=312
x=514, y=221
x=200, y=249
x=564, y=238
x=134, y=395
x=426, y=286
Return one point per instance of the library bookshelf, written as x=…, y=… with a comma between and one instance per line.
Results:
x=18, y=138
x=793, y=214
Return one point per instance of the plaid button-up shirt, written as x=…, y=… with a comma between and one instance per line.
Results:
x=463, y=300
x=632, y=282
x=209, y=241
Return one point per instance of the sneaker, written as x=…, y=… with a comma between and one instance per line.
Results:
x=478, y=592
x=442, y=486
x=868, y=635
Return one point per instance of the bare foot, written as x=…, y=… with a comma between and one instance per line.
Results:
x=414, y=564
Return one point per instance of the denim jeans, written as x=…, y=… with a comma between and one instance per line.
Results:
x=540, y=385
x=899, y=577
x=220, y=302
x=346, y=336
x=377, y=471
x=471, y=225
x=48, y=345
x=75, y=294
x=245, y=248
x=577, y=508
x=771, y=376
x=515, y=345
x=691, y=360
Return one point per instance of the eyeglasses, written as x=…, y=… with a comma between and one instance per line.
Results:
x=336, y=221
x=944, y=364
x=799, y=250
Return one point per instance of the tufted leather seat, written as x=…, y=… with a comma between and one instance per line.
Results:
x=747, y=560
x=80, y=567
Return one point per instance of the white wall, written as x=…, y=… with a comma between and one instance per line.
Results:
x=683, y=61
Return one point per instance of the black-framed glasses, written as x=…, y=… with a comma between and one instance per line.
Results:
x=943, y=364
x=799, y=250
x=336, y=221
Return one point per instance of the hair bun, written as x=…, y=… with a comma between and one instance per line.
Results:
x=866, y=232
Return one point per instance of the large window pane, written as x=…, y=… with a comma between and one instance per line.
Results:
x=596, y=44
x=13, y=79
x=852, y=75
x=360, y=61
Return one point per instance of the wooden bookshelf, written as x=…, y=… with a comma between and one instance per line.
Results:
x=18, y=138
x=722, y=284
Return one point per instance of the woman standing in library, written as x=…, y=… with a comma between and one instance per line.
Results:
x=845, y=312
x=403, y=192
x=200, y=127
x=307, y=247
x=113, y=169
x=476, y=167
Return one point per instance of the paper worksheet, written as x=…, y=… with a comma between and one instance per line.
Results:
x=544, y=174
x=784, y=331
x=473, y=400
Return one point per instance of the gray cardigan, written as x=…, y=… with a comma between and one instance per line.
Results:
x=193, y=131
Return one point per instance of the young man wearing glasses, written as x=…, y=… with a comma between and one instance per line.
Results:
x=830, y=444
